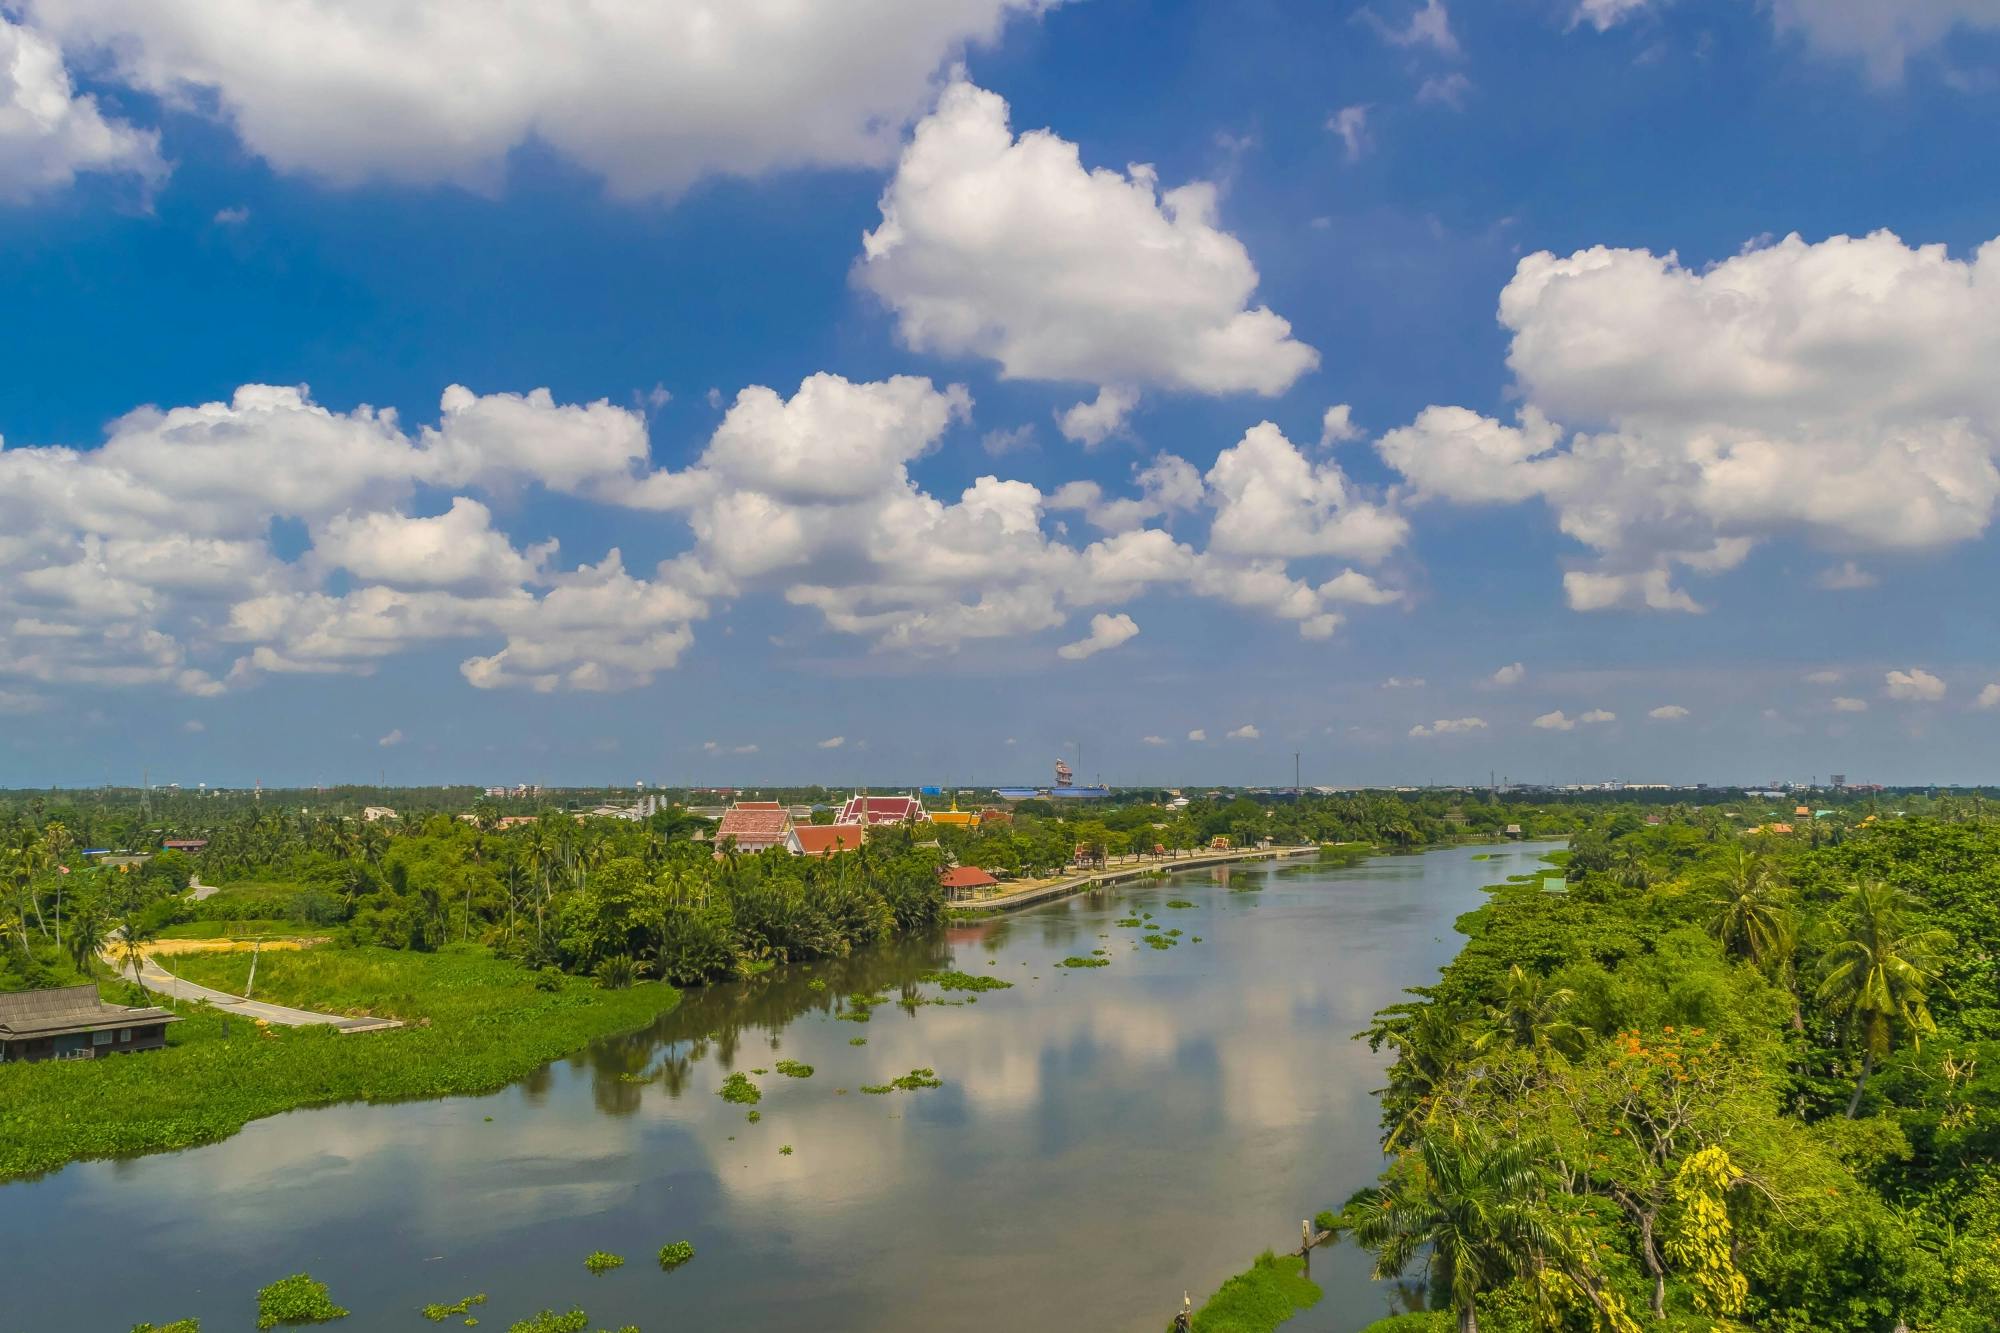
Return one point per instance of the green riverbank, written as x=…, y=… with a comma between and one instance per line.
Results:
x=474, y=1024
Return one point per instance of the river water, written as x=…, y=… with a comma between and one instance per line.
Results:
x=1104, y=1139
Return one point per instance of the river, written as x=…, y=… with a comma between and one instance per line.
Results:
x=1104, y=1138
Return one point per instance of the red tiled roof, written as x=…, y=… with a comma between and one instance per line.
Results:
x=825, y=839
x=880, y=810
x=966, y=877
x=757, y=805
x=754, y=826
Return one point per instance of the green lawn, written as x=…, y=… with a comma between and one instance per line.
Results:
x=489, y=1024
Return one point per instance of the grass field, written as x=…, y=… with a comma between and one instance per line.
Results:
x=489, y=1023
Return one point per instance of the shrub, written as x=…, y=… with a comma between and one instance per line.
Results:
x=296, y=1300
x=617, y=972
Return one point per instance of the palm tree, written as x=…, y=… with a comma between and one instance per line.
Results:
x=1747, y=916
x=1431, y=1044
x=1877, y=978
x=88, y=926
x=1530, y=1014
x=1470, y=1208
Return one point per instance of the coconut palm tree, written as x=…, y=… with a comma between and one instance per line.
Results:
x=1747, y=915
x=1530, y=1014
x=1878, y=978
x=1470, y=1208
x=1431, y=1046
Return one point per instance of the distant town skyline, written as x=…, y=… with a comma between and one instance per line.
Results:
x=1565, y=391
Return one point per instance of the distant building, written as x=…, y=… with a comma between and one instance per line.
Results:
x=1514, y=831
x=756, y=826
x=183, y=844
x=828, y=839
x=72, y=1023
x=371, y=813
x=955, y=817
x=872, y=810
x=964, y=881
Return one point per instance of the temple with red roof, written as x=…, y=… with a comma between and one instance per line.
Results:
x=871, y=810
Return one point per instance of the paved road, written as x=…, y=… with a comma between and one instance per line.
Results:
x=162, y=982
x=1041, y=893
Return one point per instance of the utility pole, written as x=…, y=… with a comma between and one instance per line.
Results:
x=1296, y=789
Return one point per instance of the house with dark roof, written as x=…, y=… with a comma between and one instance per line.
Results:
x=757, y=826
x=72, y=1023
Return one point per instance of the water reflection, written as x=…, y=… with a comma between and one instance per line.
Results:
x=1104, y=1137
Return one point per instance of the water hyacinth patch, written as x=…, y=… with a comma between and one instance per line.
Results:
x=601, y=1261
x=437, y=1314
x=1179, y=902
x=296, y=1300
x=1074, y=961
x=739, y=1089
x=675, y=1254
x=964, y=981
x=794, y=1069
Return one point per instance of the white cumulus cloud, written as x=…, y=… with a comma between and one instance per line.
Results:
x=1846, y=704
x=1449, y=726
x=1511, y=674
x=1556, y=721
x=393, y=738
x=50, y=134
x=1668, y=713
x=1105, y=632
x=1009, y=248
x=1834, y=391
x=833, y=742
x=650, y=95
x=1598, y=716
x=1197, y=735
x=1989, y=697
x=1916, y=685
x=1092, y=423
x=1246, y=732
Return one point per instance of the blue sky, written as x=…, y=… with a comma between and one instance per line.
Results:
x=795, y=285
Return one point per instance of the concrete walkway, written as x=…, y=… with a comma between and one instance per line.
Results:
x=1097, y=879
x=162, y=982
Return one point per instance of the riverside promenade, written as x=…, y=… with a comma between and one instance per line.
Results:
x=1043, y=891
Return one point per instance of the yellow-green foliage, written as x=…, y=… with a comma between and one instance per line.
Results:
x=1700, y=1245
